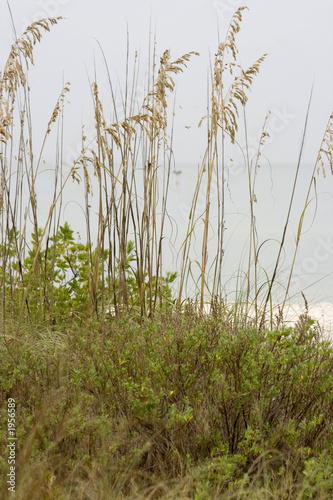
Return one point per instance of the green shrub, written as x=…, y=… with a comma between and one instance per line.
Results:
x=182, y=401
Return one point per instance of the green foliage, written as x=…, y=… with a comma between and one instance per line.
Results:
x=67, y=281
x=224, y=410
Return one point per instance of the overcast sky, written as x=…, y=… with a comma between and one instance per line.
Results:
x=297, y=35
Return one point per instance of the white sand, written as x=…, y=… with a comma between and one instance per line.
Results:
x=322, y=312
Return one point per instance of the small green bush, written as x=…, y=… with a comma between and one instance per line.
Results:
x=60, y=284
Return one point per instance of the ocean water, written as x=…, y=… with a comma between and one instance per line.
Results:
x=313, y=269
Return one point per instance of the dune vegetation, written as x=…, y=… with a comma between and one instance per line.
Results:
x=124, y=386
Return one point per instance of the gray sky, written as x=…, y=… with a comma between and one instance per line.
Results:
x=298, y=36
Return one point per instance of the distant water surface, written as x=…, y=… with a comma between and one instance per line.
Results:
x=313, y=272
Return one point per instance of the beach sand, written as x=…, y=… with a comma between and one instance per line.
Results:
x=321, y=312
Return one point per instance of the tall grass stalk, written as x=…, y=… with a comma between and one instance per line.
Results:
x=125, y=170
x=222, y=119
x=325, y=154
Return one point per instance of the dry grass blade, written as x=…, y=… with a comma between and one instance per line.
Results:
x=325, y=153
